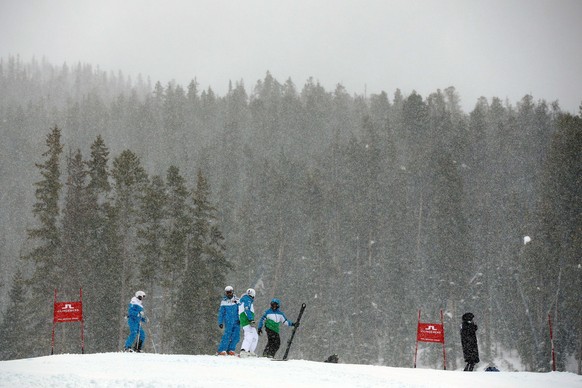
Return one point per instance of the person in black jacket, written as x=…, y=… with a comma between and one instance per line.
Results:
x=469, y=341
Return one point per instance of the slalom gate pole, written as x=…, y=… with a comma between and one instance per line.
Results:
x=82, y=323
x=54, y=324
x=444, y=350
x=552, y=342
x=416, y=347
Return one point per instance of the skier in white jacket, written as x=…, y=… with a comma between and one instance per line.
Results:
x=246, y=313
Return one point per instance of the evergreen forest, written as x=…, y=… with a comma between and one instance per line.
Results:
x=368, y=208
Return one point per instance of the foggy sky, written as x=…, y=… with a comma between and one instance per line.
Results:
x=491, y=48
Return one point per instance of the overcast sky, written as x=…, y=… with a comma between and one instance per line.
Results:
x=491, y=48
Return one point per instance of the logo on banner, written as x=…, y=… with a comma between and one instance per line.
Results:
x=68, y=311
x=430, y=332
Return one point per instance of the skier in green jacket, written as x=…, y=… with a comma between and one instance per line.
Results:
x=272, y=318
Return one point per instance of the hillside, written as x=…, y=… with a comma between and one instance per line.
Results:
x=156, y=370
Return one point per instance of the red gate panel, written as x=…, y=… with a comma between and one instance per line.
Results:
x=68, y=312
x=430, y=332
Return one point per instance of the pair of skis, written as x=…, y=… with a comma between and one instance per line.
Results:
x=290, y=340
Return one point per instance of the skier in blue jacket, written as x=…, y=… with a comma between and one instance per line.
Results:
x=272, y=318
x=228, y=319
x=135, y=317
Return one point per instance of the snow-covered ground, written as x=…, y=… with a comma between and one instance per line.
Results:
x=157, y=370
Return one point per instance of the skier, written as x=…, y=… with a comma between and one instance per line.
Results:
x=272, y=318
x=469, y=341
x=246, y=313
x=135, y=317
x=228, y=319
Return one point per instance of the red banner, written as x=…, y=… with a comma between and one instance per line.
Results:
x=430, y=332
x=68, y=312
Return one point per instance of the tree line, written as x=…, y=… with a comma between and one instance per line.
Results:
x=112, y=230
x=367, y=208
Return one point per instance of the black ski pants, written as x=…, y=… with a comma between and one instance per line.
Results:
x=273, y=343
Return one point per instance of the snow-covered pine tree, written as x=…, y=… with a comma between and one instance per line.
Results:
x=130, y=179
x=13, y=330
x=46, y=251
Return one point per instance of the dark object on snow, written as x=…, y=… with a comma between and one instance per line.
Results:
x=469, y=341
x=333, y=359
x=491, y=369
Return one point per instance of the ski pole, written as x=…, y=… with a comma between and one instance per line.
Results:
x=136, y=346
x=151, y=337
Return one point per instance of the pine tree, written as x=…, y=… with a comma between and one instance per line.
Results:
x=317, y=287
x=264, y=107
x=103, y=286
x=151, y=232
x=553, y=260
x=13, y=333
x=98, y=170
x=46, y=254
x=130, y=180
x=175, y=250
x=204, y=277
x=75, y=224
x=207, y=255
x=152, y=236
x=480, y=210
x=293, y=123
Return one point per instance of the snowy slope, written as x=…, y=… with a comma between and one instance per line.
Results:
x=155, y=370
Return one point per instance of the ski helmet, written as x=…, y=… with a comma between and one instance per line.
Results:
x=275, y=301
x=251, y=292
x=228, y=289
x=468, y=317
x=140, y=295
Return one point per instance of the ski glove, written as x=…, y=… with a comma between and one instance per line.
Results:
x=296, y=324
x=252, y=323
x=221, y=325
x=260, y=331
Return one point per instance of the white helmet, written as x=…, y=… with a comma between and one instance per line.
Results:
x=251, y=292
x=140, y=295
x=228, y=289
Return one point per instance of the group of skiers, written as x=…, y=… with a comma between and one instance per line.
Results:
x=235, y=313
